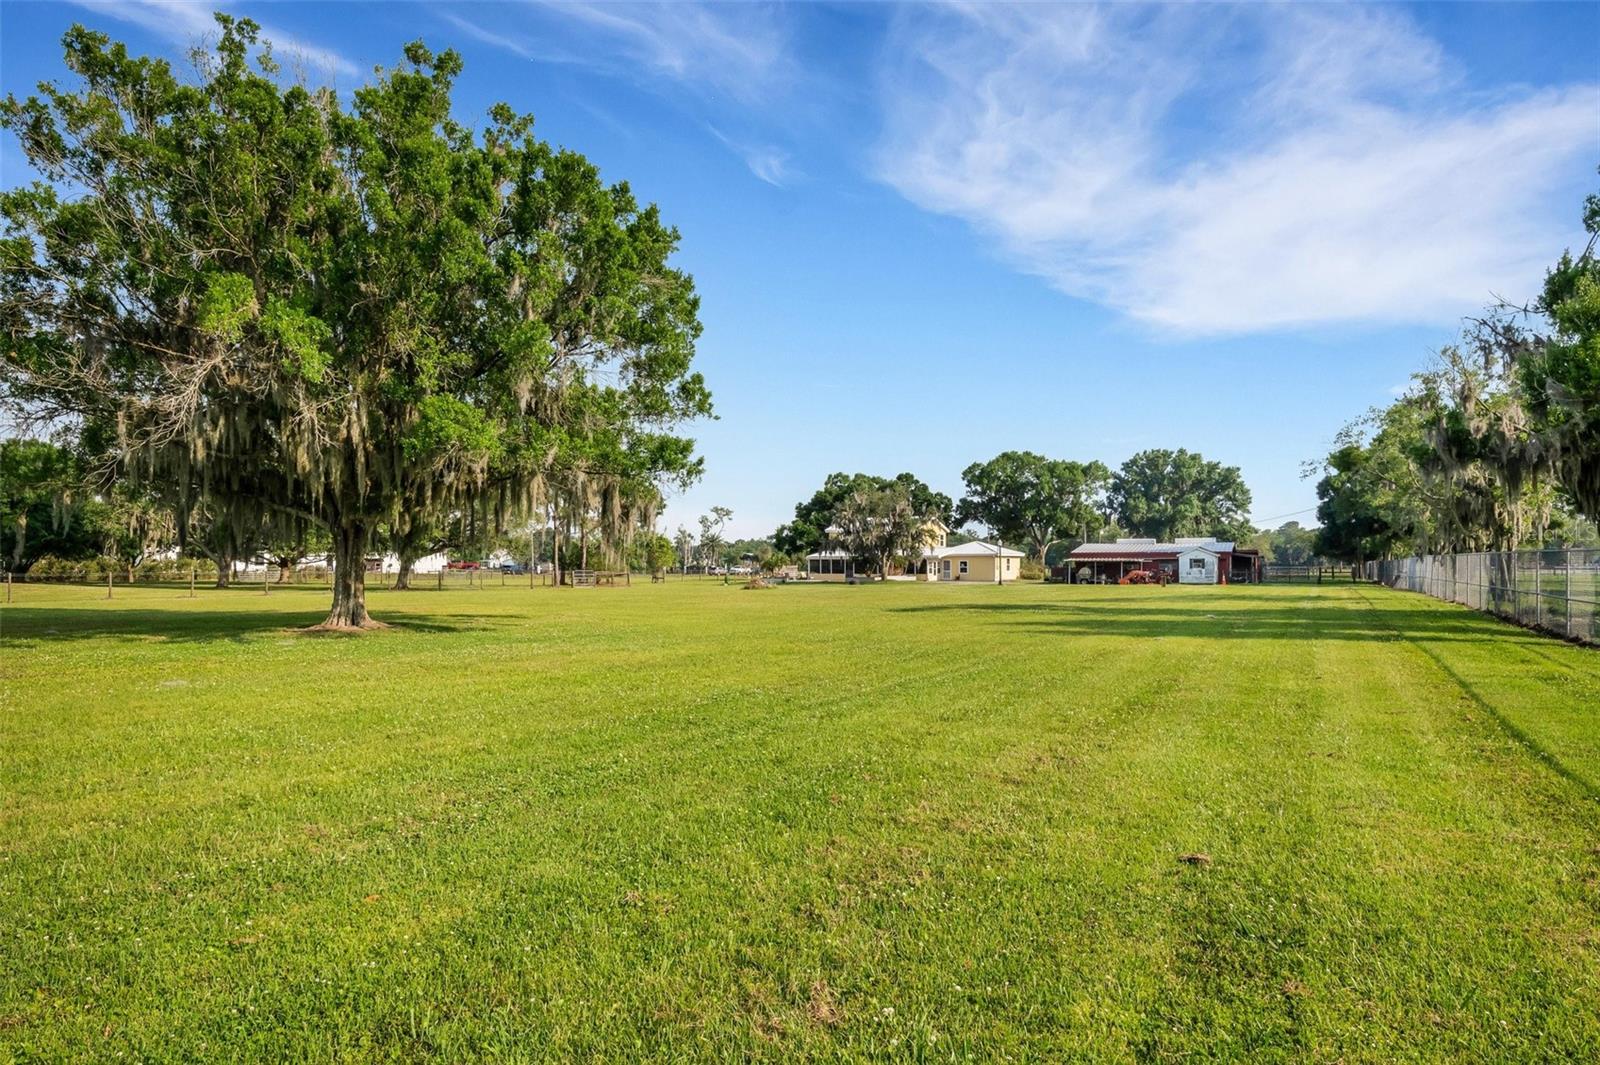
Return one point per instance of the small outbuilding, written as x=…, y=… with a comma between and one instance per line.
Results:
x=978, y=561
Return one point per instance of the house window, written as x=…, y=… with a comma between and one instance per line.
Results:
x=1197, y=563
x=963, y=565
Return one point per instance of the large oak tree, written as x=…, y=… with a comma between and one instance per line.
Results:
x=1164, y=494
x=292, y=311
x=1027, y=498
x=808, y=531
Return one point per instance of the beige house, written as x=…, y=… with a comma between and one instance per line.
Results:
x=980, y=562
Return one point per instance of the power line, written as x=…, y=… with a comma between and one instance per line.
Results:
x=1291, y=514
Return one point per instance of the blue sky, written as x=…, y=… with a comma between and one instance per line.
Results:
x=925, y=235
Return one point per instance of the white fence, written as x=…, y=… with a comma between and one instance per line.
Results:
x=1556, y=591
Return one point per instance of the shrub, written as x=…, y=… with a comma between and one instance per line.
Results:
x=163, y=569
x=51, y=568
x=1031, y=570
x=48, y=567
x=95, y=569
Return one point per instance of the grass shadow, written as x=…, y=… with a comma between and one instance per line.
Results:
x=168, y=626
x=1252, y=618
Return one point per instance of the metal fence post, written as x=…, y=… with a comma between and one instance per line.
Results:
x=1567, y=558
x=1516, y=587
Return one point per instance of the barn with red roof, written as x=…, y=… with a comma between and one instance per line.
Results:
x=1186, y=560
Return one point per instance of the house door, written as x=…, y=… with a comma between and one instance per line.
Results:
x=944, y=569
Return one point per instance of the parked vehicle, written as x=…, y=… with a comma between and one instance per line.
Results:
x=461, y=565
x=513, y=567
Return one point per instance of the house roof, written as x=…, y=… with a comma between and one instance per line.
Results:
x=1139, y=548
x=976, y=549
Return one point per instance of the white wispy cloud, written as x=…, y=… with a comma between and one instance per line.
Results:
x=186, y=23
x=738, y=51
x=499, y=38
x=722, y=57
x=766, y=161
x=1230, y=170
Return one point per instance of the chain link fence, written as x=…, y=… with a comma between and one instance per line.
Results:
x=1312, y=572
x=1556, y=591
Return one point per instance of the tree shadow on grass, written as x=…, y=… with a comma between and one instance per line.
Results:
x=61, y=624
x=1245, y=619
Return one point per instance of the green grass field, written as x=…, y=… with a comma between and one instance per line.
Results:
x=695, y=822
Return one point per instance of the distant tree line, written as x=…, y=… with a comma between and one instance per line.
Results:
x=1026, y=500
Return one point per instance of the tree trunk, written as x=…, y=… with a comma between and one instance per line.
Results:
x=402, y=580
x=224, y=569
x=22, y=537
x=349, y=581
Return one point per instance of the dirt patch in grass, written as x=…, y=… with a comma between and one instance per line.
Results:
x=823, y=1005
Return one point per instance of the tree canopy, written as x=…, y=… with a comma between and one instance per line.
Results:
x=1415, y=476
x=882, y=523
x=1495, y=446
x=808, y=531
x=1027, y=498
x=291, y=312
x=42, y=504
x=1166, y=494
x=1290, y=544
x=1560, y=373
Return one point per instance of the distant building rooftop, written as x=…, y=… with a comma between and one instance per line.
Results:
x=1139, y=548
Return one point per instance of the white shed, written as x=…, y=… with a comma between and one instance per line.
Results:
x=1197, y=565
